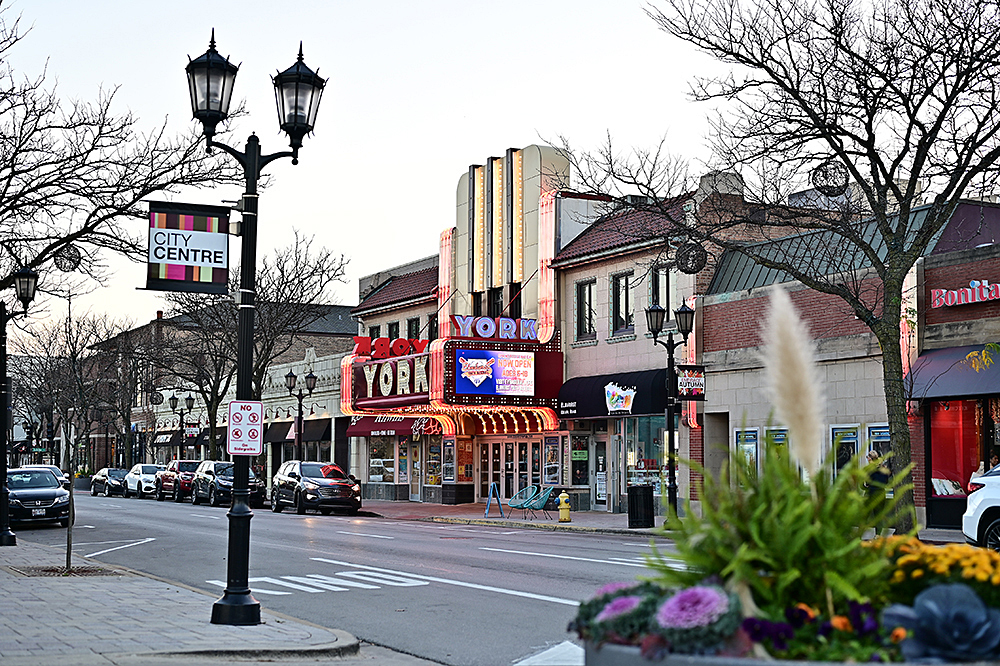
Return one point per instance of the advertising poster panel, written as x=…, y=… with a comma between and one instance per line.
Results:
x=494, y=373
x=188, y=248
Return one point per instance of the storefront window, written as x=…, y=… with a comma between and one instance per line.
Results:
x=645, y=454
x=551, y=476
x=433, y=467
x=954, y=446
x=579, y=459
x=381, y=459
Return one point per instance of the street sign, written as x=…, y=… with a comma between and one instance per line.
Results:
x=245, y=435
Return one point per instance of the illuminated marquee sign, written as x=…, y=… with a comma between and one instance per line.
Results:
x=394, y=374
x=495, y=328
x=188, y=248
x=978, y=291
x=494, y=372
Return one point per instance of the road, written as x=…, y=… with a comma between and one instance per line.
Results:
x=457, y=594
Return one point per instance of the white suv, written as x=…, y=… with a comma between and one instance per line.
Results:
x=981, y=521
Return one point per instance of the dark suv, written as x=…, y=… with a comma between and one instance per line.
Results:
x=213, y=482
x=314, y=485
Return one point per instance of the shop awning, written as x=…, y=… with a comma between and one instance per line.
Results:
x=169, y=438
x=315, y=430
x=204, y=437
x=620, y=394
x=277, y=432
x=368, y=426
x=941, y=373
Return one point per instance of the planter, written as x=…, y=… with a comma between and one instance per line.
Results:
x=83, y=483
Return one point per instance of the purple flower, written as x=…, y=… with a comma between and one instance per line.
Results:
x=778, y=632
x=611, y=588
x=618, y=607
x=862, y=617
x=797, y=617
x=693, y=607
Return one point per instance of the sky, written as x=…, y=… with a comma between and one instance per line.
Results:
x=416, y=92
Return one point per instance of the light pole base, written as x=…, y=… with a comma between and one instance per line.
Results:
x=236, y=609
x=8, y=538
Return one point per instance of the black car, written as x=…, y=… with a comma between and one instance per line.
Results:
x=314, y=485
x=108, y=481
x=36, y=495
x=213, y=482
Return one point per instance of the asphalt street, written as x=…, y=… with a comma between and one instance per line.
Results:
x=456, y=594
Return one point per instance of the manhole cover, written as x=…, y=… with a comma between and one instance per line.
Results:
x=55, y=572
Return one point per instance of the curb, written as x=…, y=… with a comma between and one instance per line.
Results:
x=551, y=527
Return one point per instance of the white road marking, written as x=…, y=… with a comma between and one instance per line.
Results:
x=447, y=581
x=101, y=543
x=341, y=581
x=85, y=527
x=108, y=550
x=384, y=578
x=202, y=515
x=564, y=557
x=275, y=581
x=317, y=583
x=374, y=536
x=256, y=590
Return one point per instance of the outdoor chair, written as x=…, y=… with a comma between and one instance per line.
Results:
x=521, y=499
x=538, y=502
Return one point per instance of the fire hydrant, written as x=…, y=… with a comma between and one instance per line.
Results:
x=564, y=507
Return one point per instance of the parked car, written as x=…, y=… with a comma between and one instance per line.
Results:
x=108, y=481
x=141, y=480
x=981, y=521
x=36, y=495
x=176, y=480
x=61, y=475
x=213, y=482
x=314, y=485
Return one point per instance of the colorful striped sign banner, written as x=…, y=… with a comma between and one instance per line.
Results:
x=188, y=248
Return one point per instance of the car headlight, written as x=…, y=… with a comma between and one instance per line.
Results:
x=309, y=485
x=15, y=502
x=62, y=500
x=223, y=482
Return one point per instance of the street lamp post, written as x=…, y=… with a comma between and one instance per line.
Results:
x=25, y=283
x=290, y=379
x=297, y=92
x=189, y=403
x=684, y=316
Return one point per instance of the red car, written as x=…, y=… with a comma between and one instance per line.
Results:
x=176, y=480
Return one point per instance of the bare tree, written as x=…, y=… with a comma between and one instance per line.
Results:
x=890, y=108
x=199, y=339
x=72, y=174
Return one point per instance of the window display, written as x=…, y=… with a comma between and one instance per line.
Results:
x=551, y=475
x=955, y=453
x=580, y=460
x=644, y=453
x=448, y=470
x=433, y=467
x=382, y=459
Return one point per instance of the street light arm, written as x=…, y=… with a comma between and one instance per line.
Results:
x=244, y=159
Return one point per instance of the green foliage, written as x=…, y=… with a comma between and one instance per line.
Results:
x=787, y=539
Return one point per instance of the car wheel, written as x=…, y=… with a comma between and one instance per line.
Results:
x=275, y=505
x=300, y=507
x=212, y=499
x=178, y=495
x=125, y=490
x=107, y=490
x=991, y=537
x=138, y=492
x=159, y=493
x=195, y=499
x=325, y=511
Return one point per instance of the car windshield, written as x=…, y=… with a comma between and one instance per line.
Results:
x=149, y=469
x=187, y=466
x=317, y=471
x=31, y=479
x=117, y=473
x=224, y=470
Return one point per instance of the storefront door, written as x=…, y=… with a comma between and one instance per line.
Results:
x=416, y=472
x=513, y=466
x=529, y=459
x=601, y=474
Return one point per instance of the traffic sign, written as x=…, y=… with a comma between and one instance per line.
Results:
x=246, y=428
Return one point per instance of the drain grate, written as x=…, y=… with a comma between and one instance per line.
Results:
x=57, y=572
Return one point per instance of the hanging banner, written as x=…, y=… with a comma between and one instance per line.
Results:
x=188, y=248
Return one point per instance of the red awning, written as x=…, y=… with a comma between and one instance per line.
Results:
x=368, y=426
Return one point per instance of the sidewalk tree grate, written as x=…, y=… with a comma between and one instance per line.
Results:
x=56, y=572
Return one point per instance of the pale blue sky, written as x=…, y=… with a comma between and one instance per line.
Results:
x=417, y=91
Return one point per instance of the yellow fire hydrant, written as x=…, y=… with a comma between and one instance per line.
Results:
x=564, y=507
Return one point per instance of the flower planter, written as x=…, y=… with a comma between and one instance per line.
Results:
x=82, y=483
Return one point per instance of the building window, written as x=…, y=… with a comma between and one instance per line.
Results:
x=585, y=324
x=374, y=332
x=494, y=307
x=392, y=330
x=432, y=326
x=413, y=328
x=659, y=288
x=514, y=309
x=477, y=304
x=622, y=317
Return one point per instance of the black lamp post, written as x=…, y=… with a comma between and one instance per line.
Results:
x=25, y=283
x=310, y=385
x=297, y=92
x=684, y=316
x=189, y=403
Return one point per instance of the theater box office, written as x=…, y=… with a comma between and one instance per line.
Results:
x=442, y=421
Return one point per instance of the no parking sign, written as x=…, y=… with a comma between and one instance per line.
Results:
x=245, y=436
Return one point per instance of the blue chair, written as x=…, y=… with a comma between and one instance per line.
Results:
x=538, y=502
x=521, y=499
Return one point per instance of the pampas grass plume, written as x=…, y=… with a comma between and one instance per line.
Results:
x=791, y=373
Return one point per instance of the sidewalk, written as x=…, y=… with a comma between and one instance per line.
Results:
x=110, y=615
x=600, y=522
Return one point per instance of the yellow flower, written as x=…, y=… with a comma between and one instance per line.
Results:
x=898, y=576
x=917, y=573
